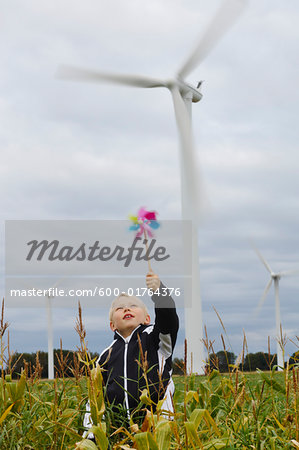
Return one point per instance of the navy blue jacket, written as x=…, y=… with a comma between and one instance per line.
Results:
x=123, y=376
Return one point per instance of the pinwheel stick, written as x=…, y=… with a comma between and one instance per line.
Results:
x=146, y=246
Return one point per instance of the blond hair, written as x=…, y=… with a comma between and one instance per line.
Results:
x=123, y=294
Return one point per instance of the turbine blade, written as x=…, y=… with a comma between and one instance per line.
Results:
x=266, y=264
x=224, y=18
x=289, y=272
x=263, y=298
x=80, y=74
x=190, y=200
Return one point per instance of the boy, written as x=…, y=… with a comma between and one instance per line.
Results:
x=122, y=375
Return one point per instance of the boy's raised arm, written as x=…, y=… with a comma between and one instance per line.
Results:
x=167, y=320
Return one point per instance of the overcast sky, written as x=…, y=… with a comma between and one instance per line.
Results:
x=85, y=151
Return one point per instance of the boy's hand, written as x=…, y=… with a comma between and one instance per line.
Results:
x=152, y=281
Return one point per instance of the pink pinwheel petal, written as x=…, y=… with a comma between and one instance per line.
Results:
x=141, y=230
x=141, y=213
x=150, y=215
x=148, y=230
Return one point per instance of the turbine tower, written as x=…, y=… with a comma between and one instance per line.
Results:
x=49, y=298
x=275, y=277
x=183, y=94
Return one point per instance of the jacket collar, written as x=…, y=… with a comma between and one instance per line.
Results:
x=117, y=335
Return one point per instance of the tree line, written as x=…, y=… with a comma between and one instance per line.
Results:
x=67, y=364
x=224, y=362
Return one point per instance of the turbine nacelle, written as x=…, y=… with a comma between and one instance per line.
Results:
x=186, y=89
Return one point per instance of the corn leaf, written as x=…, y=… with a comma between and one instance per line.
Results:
x=216, y=444
x=192, y=433
x=95, y=394
x=152, y=443
x=141, y=441
x=271, y=382
x=144, y=398
x=191, y=395
x=211, y=422
x=100, y=437
x=163, y=434
x=213, y=374
x=196, y=417
x=279, y=424
x=86, y=444
x=6, y=412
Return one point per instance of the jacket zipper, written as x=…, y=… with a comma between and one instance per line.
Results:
x=126, y=341
x=126, y=379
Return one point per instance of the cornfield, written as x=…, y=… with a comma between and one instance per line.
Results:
x=232, y=411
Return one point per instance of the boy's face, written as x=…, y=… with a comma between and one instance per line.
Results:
x=127, y=315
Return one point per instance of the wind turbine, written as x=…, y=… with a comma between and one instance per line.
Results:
x=49, y=295
x=275, y=277
x=183, y=94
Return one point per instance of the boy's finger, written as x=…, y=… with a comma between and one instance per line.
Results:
x=150, y=274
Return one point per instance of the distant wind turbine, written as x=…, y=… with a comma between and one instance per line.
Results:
x=183, y=94
x=49, y=296
x=275, y=277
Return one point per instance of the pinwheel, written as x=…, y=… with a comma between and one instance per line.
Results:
x=144, y=223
